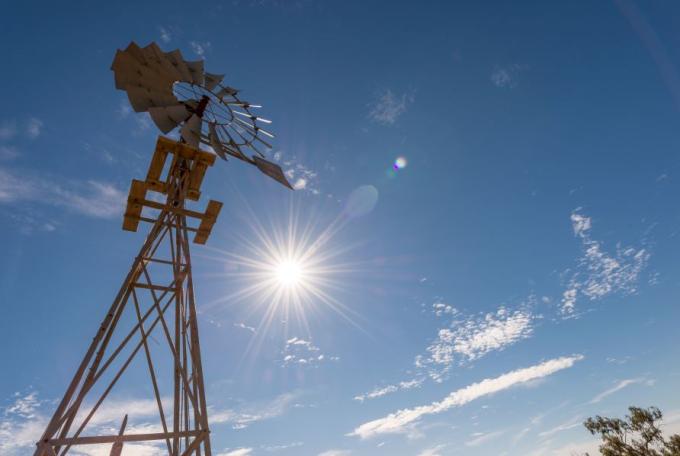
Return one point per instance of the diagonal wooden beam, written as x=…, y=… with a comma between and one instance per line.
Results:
x=152, y=371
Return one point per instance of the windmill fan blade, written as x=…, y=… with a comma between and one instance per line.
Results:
x=162, y=120
x=233, y=149
x=226, y=91
x=269, y=146
x=191, y=131
x=132, y=69
x=211, y=80
x=135, y=51
x=149, y=77
x=244, y=104
x=196, y=70
x=193, y=104
x=160, y=60
x=244, y=114
x=176, y=59
x=272, y=170
x=168, y=117
x=149, y=65
x=142, y=99
x=178, y=113
x=271, y=135
x=215, y=141
x=124, y=68
x=252, y=117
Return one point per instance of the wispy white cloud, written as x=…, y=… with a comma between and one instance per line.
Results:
x=599, y=273
x=619, y=361
x=18, y=436
x=618, y=387
x=434, y=451
x=124, y=109
x=142, y=120
x=34, y=127
x=385, y=390
x=507, y=76
x=569, y=424
x=300, y=176
x=387, y=107
x=441, y=309
x=335, y=453
x=245, y=416
x=166, y=37
x=101, y=152
x=580, y=224
x=24, y=405
x=8, y=130
x=92, y=198
x=303, y=352
x=112, y=411
x=483, y=437
x=244, y=326
x=473, y=338
x=399, y=422
x=200, y=48
x=520, y=435
x=8, y=152
x=237, y=452
x=24, y=420
x=281, y=447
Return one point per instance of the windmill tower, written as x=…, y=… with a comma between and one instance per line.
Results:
x=150, y=332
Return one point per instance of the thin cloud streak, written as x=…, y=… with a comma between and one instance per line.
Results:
x=240, y=419
x=618, y=387
x=398, y=422
x=483, y=438
x=379, y=392
x=571, y=424
x=237, y=452
x=92, y=198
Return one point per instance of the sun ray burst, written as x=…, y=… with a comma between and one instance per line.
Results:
x=286, y=273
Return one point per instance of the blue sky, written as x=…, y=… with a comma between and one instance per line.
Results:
x=518, y=275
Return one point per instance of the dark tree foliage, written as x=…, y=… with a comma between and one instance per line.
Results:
x=636, y=435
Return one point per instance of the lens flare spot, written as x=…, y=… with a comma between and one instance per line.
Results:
x=400, y=163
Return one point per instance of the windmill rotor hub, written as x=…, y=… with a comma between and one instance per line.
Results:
x=200, y=109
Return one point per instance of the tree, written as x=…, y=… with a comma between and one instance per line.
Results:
x=638, y=434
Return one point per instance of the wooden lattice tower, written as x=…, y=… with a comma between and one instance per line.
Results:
x=169, y=313
x=157, y=296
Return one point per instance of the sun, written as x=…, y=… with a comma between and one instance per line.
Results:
x=285, y=272
x=289, y=273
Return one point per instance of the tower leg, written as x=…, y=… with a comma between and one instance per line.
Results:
x=188, y=434
x=157, y=295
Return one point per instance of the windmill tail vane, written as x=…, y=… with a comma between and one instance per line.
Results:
x=156, y=299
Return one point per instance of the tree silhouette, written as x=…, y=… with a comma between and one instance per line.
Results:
x=638, y=434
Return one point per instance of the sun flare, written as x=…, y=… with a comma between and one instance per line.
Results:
x=286, y=272
x=290, y=272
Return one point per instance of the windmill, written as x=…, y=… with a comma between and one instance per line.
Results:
x=152, y=321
